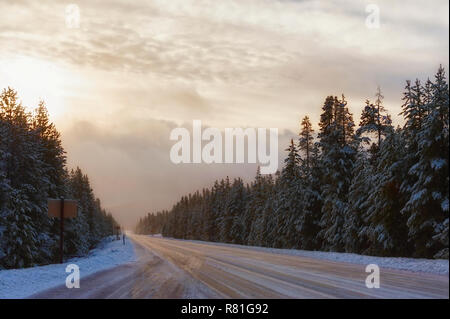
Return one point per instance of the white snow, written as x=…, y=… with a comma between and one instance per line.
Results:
x=438, y=163
x=434, y=266
x=444, y=205
x=21, y=283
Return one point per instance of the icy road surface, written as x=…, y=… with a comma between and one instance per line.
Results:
x=169, y=268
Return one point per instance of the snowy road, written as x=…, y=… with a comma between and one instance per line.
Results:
x=170, y=268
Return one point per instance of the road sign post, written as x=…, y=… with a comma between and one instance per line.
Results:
x=117, y=232
x=61, y=232
x=62, y=208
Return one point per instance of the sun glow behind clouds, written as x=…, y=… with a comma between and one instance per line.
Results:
x=133, y=70
x=39, y=79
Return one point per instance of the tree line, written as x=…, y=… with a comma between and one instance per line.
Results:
x=33, y=169
x=375, y=189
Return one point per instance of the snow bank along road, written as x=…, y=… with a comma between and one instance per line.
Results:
x=169, y=268
x=21, y=283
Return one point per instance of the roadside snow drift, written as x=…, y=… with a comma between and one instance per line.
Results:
x=21, y=283
x=434, y=266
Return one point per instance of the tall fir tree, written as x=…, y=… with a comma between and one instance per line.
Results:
x=306, y=141
x=427, y=205
x=337, y=159
x=375, y=120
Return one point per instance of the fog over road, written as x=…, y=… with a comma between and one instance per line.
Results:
x=169, y=268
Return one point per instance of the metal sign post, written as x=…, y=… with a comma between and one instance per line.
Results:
x=62, y=208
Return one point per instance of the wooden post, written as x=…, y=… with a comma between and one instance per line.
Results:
x=62, y=208
x=61, y=235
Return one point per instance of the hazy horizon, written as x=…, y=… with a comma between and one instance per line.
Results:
x=131, y=72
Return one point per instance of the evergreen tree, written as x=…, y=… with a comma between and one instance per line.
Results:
x=25, y=172
x=427, y=205
x=287, y=210
x=306, y=141
x=336, y=194
x=374, y=119
x=337, y=158
x=358, y=204
x=236, y=207
x=385, y=226
x=32, y=169
x=254, y=212
x=414, y=108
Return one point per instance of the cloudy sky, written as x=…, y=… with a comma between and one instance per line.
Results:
x=134, y=70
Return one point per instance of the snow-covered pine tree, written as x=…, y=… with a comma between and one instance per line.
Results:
x=25, y=207
x=427, y=205
x=225, y=219
x=77, y=232
x=384, y=225
x=54, y=161
x=414, y=108
x=307, y=222
x=5, y=188
x=236, y=207
x=358, y=204
x=205, y=211
x=254, y=217
x=374, y=120
x=270, y=214
x=254, y=195
x=195, y=219
x=32, y=169
x=358, y=198
x=306, y=141
x=54, y=154
x=337, y=144
x=288, y=207
x=258, y=231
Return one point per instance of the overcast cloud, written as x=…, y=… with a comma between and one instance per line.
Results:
x=134, y=70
